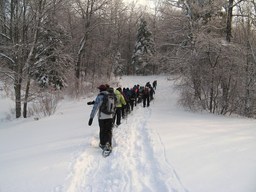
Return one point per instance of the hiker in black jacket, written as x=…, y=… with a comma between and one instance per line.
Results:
x=154, y=84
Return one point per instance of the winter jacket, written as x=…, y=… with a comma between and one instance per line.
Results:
x=96, y=107
x=120, y=99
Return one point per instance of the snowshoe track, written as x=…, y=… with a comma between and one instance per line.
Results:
x=131, y=165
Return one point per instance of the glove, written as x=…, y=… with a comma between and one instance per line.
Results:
x=90, y=121
x=90, y=102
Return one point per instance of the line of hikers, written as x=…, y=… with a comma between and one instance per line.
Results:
x=113, y=105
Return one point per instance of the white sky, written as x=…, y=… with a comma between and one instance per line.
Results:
x=143, y=2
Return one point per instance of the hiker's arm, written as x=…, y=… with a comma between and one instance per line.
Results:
x=96, y=105
x=122, y=100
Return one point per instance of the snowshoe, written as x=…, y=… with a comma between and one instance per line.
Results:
x=107, y=150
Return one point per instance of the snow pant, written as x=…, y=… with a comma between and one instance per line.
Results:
x=106, y=131
x=136, y=100
x=127, y=108
x=118, y=115
x=146, y=100
x=132, y=103
x=139, y=99
x=123, y=111
x=151, y=96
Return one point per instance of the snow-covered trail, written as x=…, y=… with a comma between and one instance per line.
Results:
x=132, y=165
x=161, y=148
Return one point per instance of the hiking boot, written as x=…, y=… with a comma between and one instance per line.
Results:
x=102, y=146
x=108, y=147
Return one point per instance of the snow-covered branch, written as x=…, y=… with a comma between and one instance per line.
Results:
x=7, y=57
x=8, y=74
x=4, y=35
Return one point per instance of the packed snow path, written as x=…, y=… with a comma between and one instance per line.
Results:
x=161, y=148
x=132, y=165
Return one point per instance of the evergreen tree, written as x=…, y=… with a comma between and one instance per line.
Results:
x=143, y=51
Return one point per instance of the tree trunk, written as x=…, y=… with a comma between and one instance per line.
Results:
x=211, y=93
x=17, y=89
x=248, y=78
x=26, y=99
x=225, y=95
x=14, y=30
x=229, y=21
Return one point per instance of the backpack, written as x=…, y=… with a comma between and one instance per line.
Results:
x=146, y=91
x=108, y=105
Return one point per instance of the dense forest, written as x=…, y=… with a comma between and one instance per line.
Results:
x=49, y=48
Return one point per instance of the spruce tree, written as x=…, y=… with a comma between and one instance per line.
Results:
x=143, y=50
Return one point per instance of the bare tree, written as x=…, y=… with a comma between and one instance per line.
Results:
x=245, y=36
x=216, y=74
x=23, y=26
x=15, y=51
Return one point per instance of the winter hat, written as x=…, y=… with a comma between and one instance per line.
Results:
x=107, y=86
x=102, y=88
x=119, y=89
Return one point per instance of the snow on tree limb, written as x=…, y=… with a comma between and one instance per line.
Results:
x=7, y=57
x=4, y=35
x=8, y=74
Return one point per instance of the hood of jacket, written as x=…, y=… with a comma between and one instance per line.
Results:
x=117, y=92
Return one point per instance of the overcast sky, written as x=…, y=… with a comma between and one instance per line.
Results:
x=144, y=2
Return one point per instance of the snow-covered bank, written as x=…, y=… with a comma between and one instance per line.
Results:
x=160, y=148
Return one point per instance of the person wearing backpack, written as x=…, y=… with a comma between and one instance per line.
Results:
x=119, y=106
x=105, y=118
x=154, y=84
x=145, y=97
x=151, y=93
x=132, y=97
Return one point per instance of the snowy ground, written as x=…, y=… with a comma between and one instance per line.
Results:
x=162, y=148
